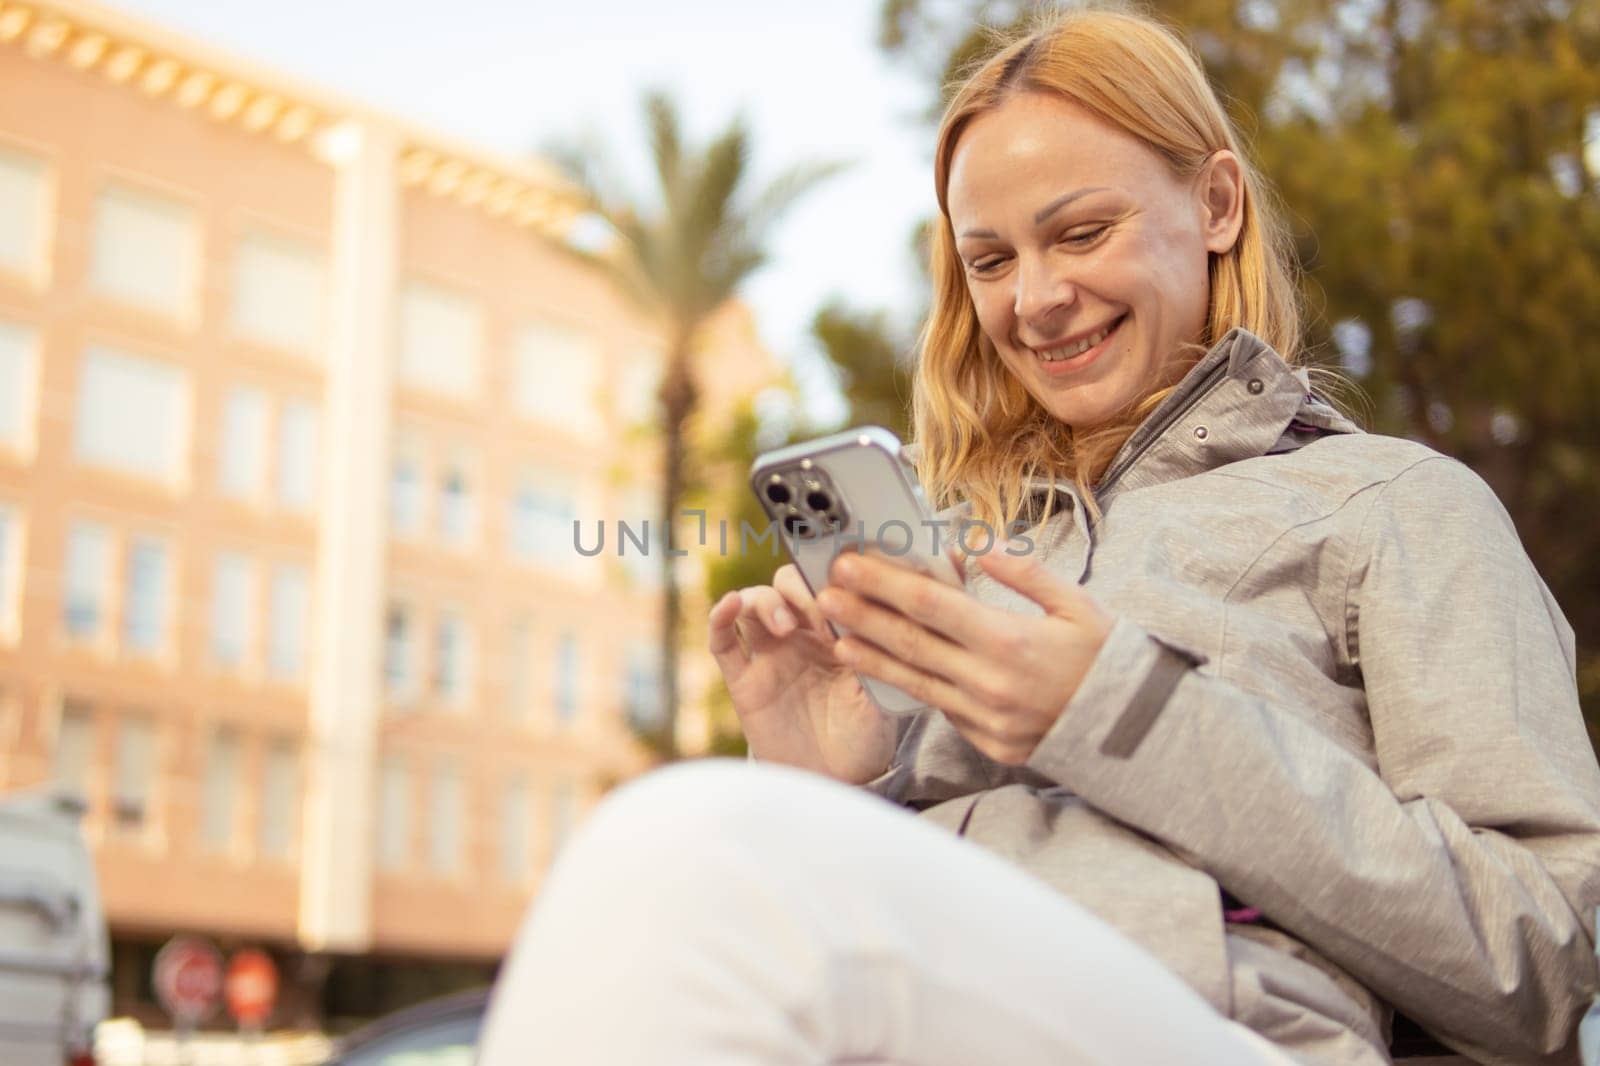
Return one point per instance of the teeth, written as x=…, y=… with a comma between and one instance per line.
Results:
x=1052, y=355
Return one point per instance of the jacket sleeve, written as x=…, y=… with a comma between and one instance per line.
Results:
x=895, y=783
x=1458, y=879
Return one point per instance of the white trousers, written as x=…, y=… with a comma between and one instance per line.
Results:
x=724, y=912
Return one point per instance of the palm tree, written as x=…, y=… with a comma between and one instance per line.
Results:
x=692, y=244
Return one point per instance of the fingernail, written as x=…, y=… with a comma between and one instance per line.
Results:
x=783, y=619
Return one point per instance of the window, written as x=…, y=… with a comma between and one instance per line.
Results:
x=557, y=374
x=290, y=615
x=405, y=495
x=455, y=506
x=519, y=669
x=135, y=771
x=280, y=801
x=394, y=815
x=563, y=812
x=399, y=657
x=242, y=459
x=641, y=686
x=144, y=610
x=278, y=293
x=217, y=806
x=514, y=831
x=446, y=821
x=297, y=456
x=69, y=768
x=450, y=658
x=233, y=610
x=88, y=573
x=19, y=385
x=440, y=340
x=542, y=514
x=566, y=678
x=146, y=251
x=25, y=212
x=132, y=415
x=11, y=570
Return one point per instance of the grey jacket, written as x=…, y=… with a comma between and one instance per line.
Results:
x=1337, y=689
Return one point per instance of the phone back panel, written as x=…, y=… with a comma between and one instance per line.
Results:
x=845, y=492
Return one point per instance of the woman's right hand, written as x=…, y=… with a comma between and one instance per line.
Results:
x=798, y=704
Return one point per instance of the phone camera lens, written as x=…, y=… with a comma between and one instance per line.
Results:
x=818, y=500
x=779, y=493
x=797, y=525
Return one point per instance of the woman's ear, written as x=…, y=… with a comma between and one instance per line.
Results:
x=1220, y=188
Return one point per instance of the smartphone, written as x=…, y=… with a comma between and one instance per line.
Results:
x=848, y=492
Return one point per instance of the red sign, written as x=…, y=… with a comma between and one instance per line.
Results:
x=251, y=986
x=188, y=979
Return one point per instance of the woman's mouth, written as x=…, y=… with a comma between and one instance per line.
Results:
x=1066, y=358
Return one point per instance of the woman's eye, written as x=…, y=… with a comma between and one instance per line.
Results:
x=987, y=265
x=1082, y=238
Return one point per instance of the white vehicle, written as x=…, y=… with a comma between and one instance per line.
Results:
x=54, y=949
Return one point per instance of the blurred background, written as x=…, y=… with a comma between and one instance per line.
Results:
x=320, y=325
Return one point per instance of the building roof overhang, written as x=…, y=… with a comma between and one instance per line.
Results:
x=524, y=192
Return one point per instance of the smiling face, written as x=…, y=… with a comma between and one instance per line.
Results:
x=1085, y=255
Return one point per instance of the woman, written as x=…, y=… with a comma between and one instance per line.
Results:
x=1266, y=731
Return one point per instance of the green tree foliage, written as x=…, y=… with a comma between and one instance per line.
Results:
x=1438, y=158
x=869, y=360
x=692, y=243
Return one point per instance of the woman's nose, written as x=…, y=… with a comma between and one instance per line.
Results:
x=1043, y=290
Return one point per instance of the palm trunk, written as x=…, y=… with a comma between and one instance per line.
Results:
x=678, y=396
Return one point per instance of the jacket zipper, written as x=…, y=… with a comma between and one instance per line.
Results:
x=1156, y=430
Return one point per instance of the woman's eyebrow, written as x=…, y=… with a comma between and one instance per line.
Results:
x=1043, y=213
x=1062, y=201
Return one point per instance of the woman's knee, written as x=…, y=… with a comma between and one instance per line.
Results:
x=707, y=803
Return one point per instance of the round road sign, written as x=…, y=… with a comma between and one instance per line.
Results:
x=188, y=979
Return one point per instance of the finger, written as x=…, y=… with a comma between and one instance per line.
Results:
x=946, y=609
x=866, y=658
x=1001, y=736
x=958, y=560
x=726, y=647
x=794, y=590
x=906, y=639
x=1027, y=574
x=767, y=606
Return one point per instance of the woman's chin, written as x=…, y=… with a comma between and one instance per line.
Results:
x=1088, y=406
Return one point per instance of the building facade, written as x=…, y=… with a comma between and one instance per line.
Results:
x=298, y=405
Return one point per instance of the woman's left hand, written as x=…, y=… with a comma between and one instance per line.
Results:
x=1001, y=678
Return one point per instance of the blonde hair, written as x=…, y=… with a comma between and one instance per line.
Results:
x=980, y=434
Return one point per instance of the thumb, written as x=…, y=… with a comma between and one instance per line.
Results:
x=1026, y=573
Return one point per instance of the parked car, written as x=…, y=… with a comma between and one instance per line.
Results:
x=439, y=1032
x=54, y=949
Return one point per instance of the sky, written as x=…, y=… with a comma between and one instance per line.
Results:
x=515, y=76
